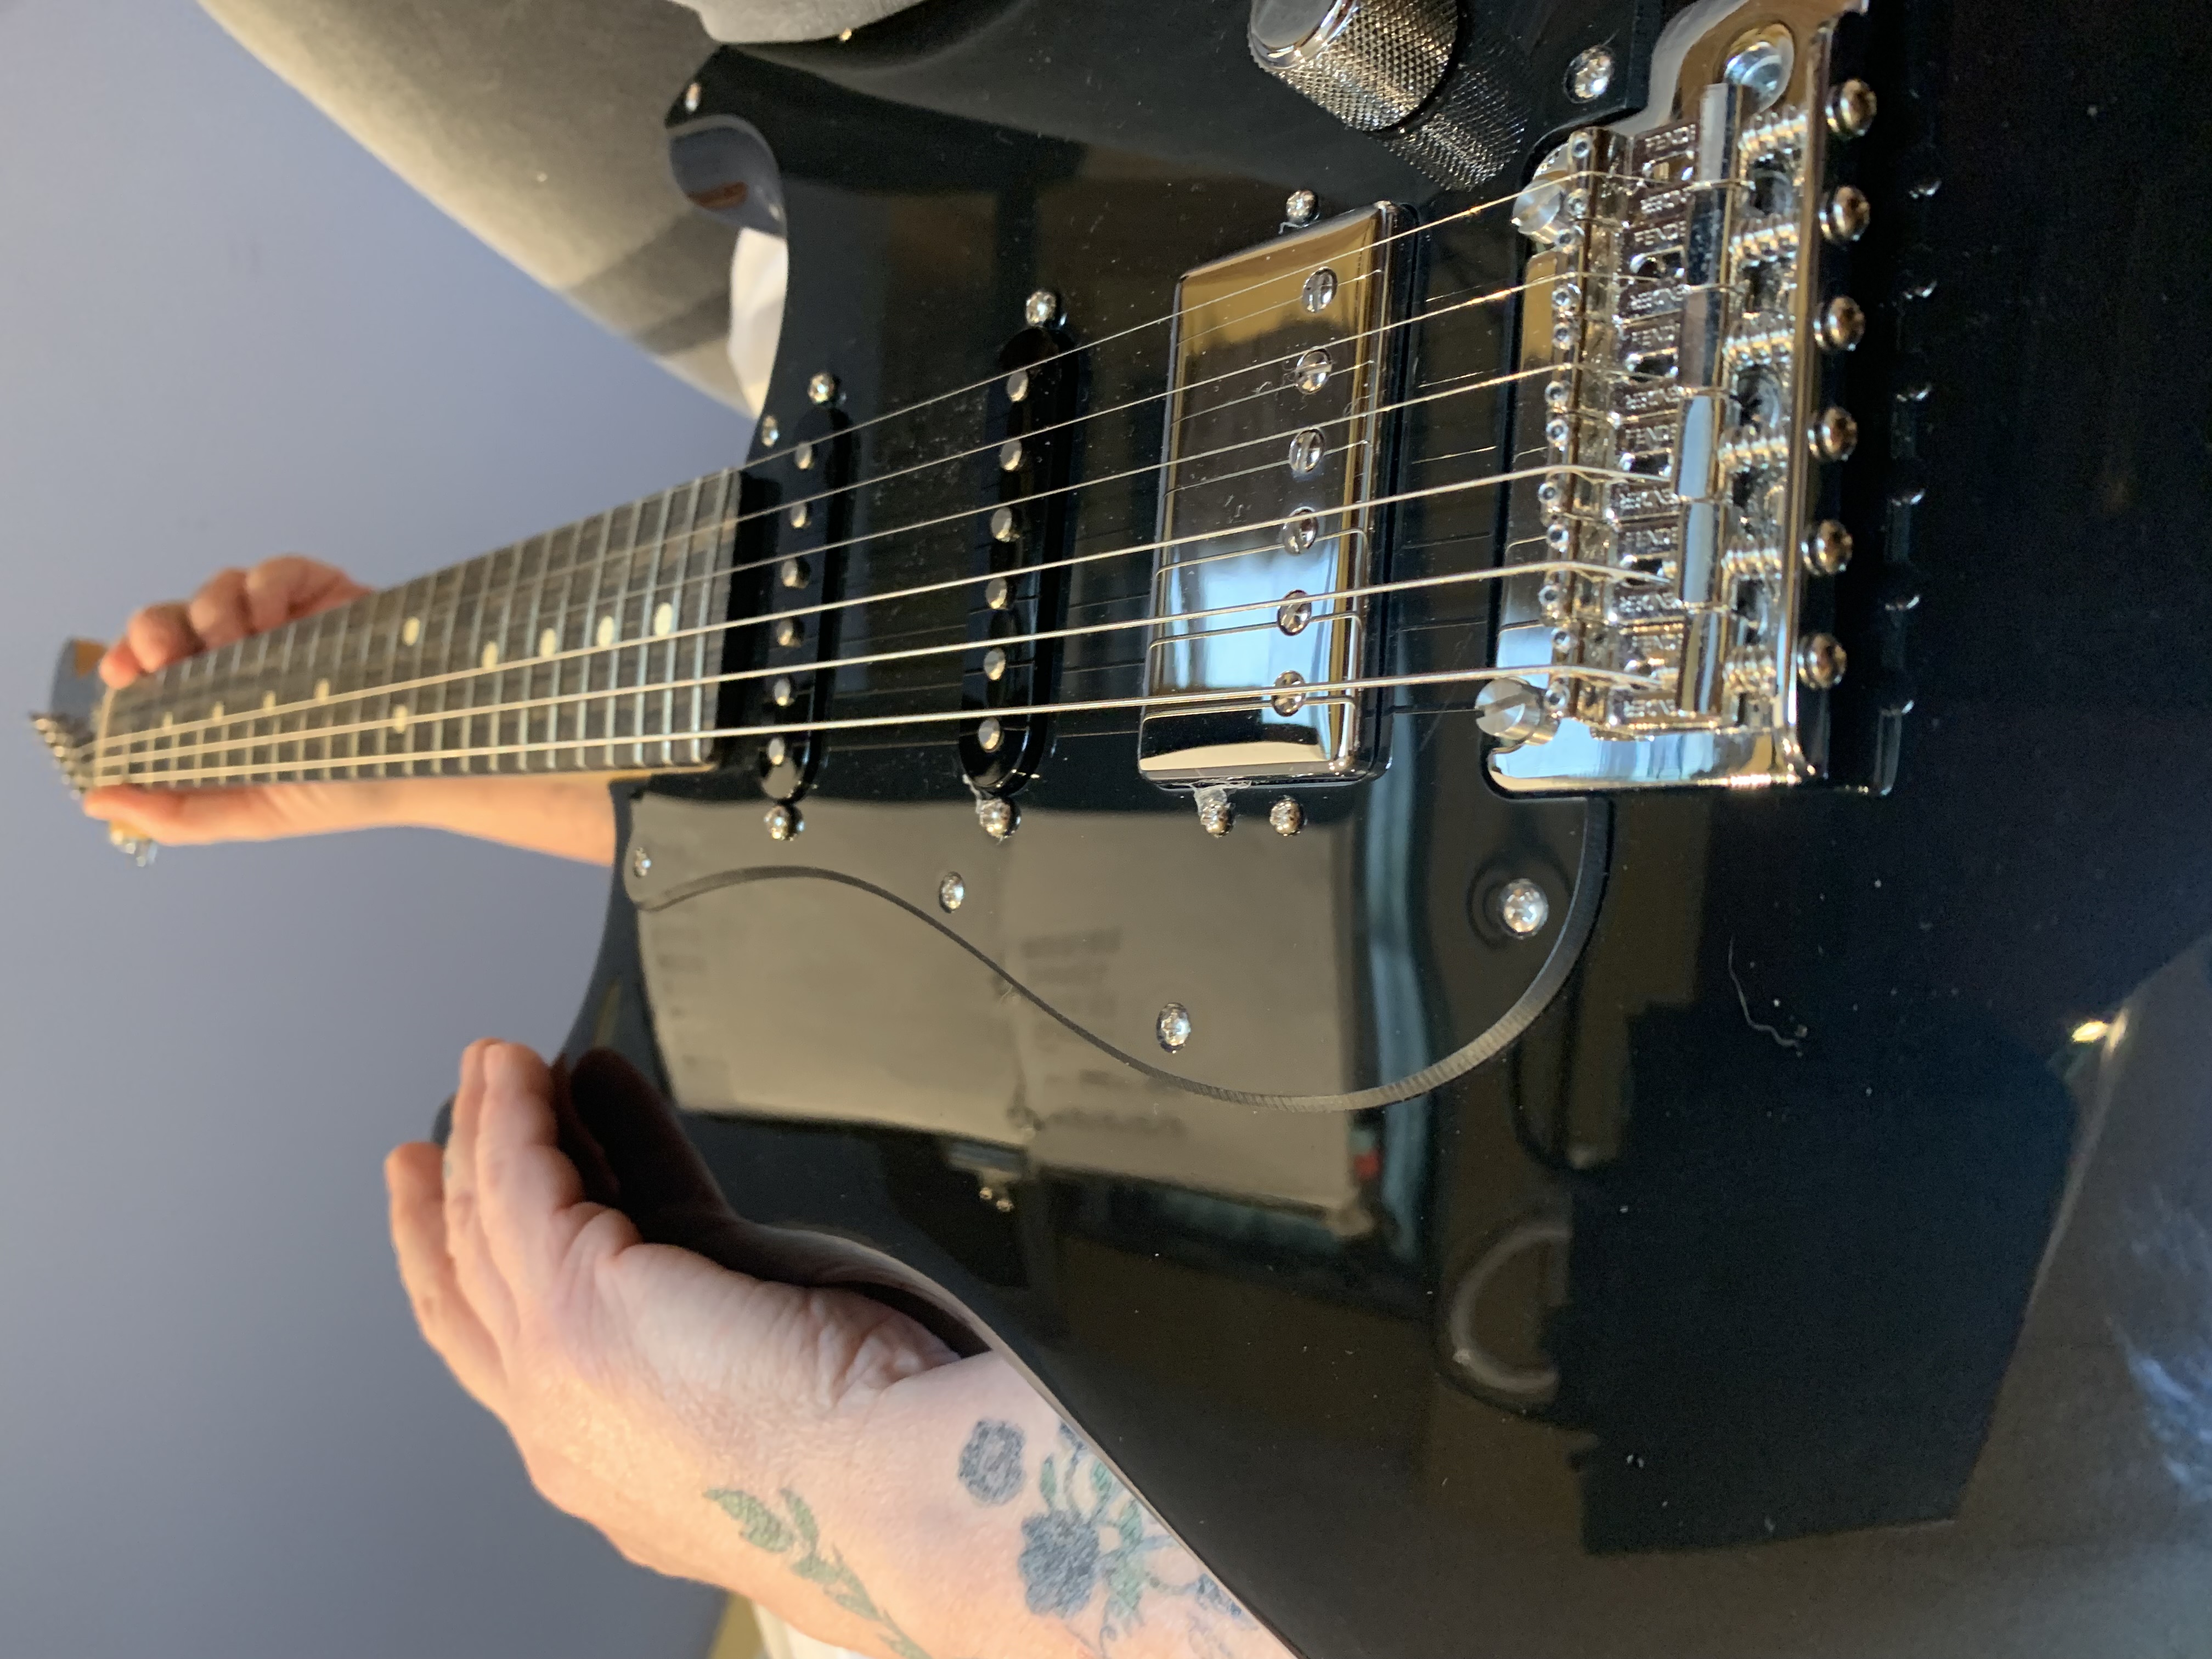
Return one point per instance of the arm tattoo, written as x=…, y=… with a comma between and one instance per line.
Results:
x=795, y=1530
x=1092, y=1556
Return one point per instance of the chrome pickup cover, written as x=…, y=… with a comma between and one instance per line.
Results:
x=1681, y=306
x=1278, y=383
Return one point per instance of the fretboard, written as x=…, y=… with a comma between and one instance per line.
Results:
x=595, y=647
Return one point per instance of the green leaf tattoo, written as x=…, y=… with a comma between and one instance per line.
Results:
x=796, y=1529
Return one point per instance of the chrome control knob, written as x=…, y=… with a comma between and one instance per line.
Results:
x=1368, y=62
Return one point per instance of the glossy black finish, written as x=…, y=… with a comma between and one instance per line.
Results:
x=1808, y=1101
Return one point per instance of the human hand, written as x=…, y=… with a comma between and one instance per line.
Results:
x=569, y=817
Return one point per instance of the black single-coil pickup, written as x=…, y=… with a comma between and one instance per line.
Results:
x=797, y=541
x=1021, y=542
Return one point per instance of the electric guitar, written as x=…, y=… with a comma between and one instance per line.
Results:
x=1470, y=783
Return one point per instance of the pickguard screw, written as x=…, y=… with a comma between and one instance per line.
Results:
x=1286, y=817
x=1173, y=1027
x=1590, y=77
x=1851, y=109
x=823, y=388
x=999, y=818
x=1523, y=907
x=1301, y=207
x=951, y=893
x=641, y=862
x=1215, y=815
x=1041, y=309
x=782, y=822
x=1820, y=661
x=692, y=94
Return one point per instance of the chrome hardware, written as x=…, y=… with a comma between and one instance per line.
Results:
x=1018, y=386
x=1010, y=456
x=1522, y=908
x=782, y=822
x=1672, y=418
x=1821, y=662
x=1851, y=109
x=1240, y=563
x=771, y=429
x=1590, y=77
x=1842, y=325
x=995, y=663
x=1368, y=62
x=788, y=632
x=823, y=388
x=797, y=515
x=1300, y=209
x=1173, y=1027
x=1215, y=815
x=951, y=892
x=641, y=862
x=777, y=749
x=792, y=573
x=989, y=735
x=1828, y=548
x=1040, y=309
x=1003, y=526
x=692, y=95
x=803, y=458
x=1286, y=817
x=781, y=691
x=1845, y=216
x=1000, y=818
x=997, y=594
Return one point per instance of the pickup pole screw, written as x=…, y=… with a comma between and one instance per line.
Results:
x=1286, y=817
x=777, y=752
x=782, y=822
x=1301, y=207
x=1522, y=908
x=1041, y=309
x=692, y=94
x=1851, y=109
x=997, y=594
x=792, y=573
x=787, y=632
x=1004, y=528
x=823, y=388
x=781, y=691
x=803, y=458
x=799, y=514
x=1820, y=661
x=1018, y=386
x=1010, y=455
x=1590, y=77
x=998, y=818
x=1174, y=1026
x=1215, y=815
x=641, y=862
x=989, y=735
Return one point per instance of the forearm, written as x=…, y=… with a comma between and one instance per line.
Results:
x=960, y=1517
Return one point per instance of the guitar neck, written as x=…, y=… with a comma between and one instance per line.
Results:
x=594, y=648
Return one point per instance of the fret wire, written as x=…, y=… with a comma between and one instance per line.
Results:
x=530, y=640
x=652, y=611
x=597, y=576
x=503, y=640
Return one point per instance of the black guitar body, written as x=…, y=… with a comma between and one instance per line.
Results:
x=1749, y=1262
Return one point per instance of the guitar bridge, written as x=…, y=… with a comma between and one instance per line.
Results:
x=1275, y=433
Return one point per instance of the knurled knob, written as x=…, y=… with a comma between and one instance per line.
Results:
x=1368, y=62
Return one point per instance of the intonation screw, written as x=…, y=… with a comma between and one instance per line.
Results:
x=1845, y=215
x=1851, y=109
x=1828, y=548
x=641, y=862
x=771, y=429
x=951, y=893
x=1301, y=207
x=989, y=735
x=1004, y=526
x=1590, y=77
x=1286, y=817
x=1835, y=434
x=823, y=388
x=692, y=95
x=1041, y=309
x=1842, y=324
x=1820, y=661
x=1173, y=1027
x=782, y=822
x=1523, y=907
x=999, y=818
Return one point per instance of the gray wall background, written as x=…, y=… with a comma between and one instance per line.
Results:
x=225, y=333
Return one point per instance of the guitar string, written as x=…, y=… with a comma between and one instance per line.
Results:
x=524, y=666
x=219, y=744
x=1313, y=691
x=1458, y=486
x=677, y=636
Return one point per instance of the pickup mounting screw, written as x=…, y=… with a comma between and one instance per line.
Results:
x=1851, y=109
x=1523, y=907
x=951, y=892
x=1828, y=548
x=1843, y=323
x=782, y=822
x=1215, y=815
x=1835, y=434
x=823, y=388
x=1173, y=1027
x=1286, y=817
x=1845, y=215
x=1590, y=77
x=998, y=818
x=641, y=862
x=1041, y=309
x=1820, y=661
x=1300, y=208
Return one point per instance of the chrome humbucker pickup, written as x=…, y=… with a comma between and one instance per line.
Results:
x=1280, y=378
x=1684, y=320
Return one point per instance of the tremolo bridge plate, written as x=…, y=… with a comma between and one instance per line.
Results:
x=1275, y=420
